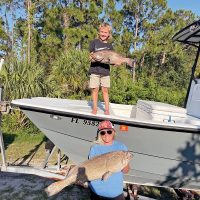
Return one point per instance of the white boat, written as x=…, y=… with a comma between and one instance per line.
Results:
x=165, y=139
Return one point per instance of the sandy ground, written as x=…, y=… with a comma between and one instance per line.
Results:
x=30, y=187
x=15, y=186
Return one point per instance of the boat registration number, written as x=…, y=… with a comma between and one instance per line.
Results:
x=84, y=122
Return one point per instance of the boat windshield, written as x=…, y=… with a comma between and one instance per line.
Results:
x=189, y=35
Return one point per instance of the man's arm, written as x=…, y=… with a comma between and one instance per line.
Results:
x=91, y=50
x=92, y=46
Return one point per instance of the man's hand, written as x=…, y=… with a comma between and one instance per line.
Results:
x=126, y=169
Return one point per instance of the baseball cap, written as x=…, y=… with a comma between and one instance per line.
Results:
x=105, y=125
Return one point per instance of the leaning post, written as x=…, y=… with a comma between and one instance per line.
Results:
x=2, y=148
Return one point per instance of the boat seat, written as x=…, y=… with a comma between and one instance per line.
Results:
x=157, y=111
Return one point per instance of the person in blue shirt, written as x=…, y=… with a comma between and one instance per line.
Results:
x=112, y=188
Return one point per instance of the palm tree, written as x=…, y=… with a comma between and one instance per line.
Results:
x=22, y=80
x=69, y=74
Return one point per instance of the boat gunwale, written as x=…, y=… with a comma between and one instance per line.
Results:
x=136, y=123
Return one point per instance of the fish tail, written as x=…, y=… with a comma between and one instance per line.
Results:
x=56, y=187
x=131, y=62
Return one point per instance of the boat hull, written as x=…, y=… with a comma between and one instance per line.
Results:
x=162, y=157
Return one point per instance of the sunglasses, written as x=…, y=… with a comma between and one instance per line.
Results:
x=109, y=132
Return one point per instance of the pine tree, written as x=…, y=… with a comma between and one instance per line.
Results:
x=3, y=40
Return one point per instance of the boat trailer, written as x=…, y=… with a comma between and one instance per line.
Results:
x=44, y=171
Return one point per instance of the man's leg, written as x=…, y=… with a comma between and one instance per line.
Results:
x=105, y=85
x=95, y=92
x=94, y=86
x=106, y=100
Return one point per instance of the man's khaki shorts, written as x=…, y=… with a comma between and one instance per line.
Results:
x=98, y=80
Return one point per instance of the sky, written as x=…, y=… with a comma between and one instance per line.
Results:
x=193, y=5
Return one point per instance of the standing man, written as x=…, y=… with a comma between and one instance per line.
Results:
x=112, y=188
x=100, y=72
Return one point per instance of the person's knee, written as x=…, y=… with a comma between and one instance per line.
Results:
x=95, y=90
x=104, y=90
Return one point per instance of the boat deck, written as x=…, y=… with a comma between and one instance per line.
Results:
x=149, y=112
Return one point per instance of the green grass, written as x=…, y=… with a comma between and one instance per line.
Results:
x=23, y=148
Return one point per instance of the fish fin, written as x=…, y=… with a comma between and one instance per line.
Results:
x=54, y=188
x=70, y=170
x=100, y=60
x=97, y=58
x=123, y=161
x=92, y=60
x=106, y=175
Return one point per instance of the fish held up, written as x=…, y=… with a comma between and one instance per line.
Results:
x=111, y=57
x=99, y=167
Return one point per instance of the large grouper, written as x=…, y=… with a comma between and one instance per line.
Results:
x=99, y=167
x=111, y=57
